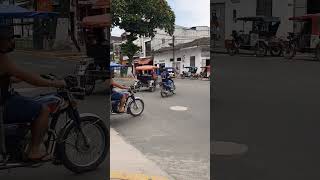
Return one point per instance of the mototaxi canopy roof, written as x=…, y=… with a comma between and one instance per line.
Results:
x=12, y=11
x=145, y=68
x=314, y=18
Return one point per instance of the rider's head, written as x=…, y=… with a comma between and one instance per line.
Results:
x=7, y=43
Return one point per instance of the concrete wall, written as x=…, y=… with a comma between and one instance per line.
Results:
x=185, y=55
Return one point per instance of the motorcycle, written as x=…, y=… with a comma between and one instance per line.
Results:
x=167, y=90
x=71, y=145
x=133, y=105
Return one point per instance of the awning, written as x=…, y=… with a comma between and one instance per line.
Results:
x=12, y=11
x=101, y=4
x=97, y=21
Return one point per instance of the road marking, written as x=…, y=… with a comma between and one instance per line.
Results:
x=115, y=175
x=178, y=108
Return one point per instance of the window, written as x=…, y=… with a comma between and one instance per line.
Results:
x=178, y=59
x=192, y=61
x=163, y=41
x=264, y=8
x=234, y=15
x=171, y=60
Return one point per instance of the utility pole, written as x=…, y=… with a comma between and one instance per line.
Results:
x=173, y=52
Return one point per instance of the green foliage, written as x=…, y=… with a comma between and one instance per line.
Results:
x=141, y=18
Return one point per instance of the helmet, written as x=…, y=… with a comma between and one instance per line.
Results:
x=6, y=32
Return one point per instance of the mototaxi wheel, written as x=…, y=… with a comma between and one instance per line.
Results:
x=81, y=148
x=261, y=49
x=318, y=52
x=276, y=51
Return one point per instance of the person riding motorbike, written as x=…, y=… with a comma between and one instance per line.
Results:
x=20, y=109
x=166, y=80
x=115, y=95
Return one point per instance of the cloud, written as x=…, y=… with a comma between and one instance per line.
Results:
x=188, y=13
x=116, y=31
x=191, y=12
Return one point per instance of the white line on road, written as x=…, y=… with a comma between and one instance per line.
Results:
x=178, y=108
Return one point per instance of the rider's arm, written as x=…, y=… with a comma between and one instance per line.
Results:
x=30, y=78
x=118, y=85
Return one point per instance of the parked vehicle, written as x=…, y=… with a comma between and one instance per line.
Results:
x=261, y=38
x=146, y=78
x=94, y=67
x=191, y=73
x=307, y=39
x=73, y=145
x=171, y=71
x=134, y=105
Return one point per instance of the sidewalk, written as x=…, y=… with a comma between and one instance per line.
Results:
x=61, y=54
x=128, y=163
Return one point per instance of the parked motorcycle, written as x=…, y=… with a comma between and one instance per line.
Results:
x=81, y=145
x=133, y=105
x=167, y=90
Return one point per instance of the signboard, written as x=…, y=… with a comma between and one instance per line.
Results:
x=44, y=5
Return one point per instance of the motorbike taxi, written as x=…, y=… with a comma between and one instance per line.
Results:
x=146, y=77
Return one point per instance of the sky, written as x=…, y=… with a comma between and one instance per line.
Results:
x=188, y=13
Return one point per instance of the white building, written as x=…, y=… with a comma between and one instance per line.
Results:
x=227, y=11
x=195, y=53
x=162, y=39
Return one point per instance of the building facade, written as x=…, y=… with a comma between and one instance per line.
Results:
x=226, y=12
x=162, y=39
x=195, y=53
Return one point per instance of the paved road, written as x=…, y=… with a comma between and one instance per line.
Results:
x=50, y=172
x=177, y=141
x=272, y=106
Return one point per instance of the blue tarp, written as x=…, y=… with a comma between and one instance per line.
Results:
x=12, y=11
x=115, y=65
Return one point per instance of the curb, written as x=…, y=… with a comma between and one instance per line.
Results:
x=117, y=175
x=128, y=163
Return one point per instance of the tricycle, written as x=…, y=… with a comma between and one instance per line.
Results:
x=146, y=77
x=191, y=73
x=262, y=37
x=307, y=39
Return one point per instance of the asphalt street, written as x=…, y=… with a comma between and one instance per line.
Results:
x=61, y=68
x=271, y=106
x=178, y=141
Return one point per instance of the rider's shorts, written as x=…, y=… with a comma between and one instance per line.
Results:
x=116, y=96
x=21, y=109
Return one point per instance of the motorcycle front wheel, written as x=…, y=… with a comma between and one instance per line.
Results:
x=84, y=150
x=136, y=107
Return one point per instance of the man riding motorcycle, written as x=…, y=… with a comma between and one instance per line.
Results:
x=115, y=95
x=166, y=80
x=19, y=109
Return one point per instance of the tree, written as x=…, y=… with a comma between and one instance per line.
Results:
x=141, y=18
